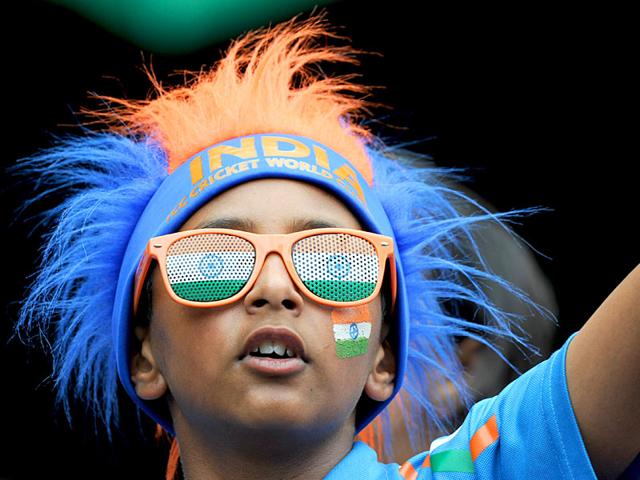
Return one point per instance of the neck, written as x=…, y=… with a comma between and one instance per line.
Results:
x=223, y=451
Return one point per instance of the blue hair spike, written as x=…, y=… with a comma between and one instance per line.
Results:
x=108, y=180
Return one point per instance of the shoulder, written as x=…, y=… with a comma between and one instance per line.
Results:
x=528, y=430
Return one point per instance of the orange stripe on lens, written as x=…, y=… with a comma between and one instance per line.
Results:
x=484, y=436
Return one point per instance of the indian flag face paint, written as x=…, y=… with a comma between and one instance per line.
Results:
x=351, y=330
x=209, y=267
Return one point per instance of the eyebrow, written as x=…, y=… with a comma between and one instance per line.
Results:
x=247, y=225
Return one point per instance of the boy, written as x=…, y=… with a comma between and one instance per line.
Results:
x=293, y=276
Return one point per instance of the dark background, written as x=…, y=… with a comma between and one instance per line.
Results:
x=537, y=102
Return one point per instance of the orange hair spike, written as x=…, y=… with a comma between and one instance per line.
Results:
x=263, y=84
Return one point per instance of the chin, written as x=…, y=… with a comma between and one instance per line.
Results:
x=285, y=411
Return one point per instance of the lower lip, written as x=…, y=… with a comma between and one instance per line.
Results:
x=274, y=366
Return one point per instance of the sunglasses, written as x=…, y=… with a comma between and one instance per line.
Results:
x=210, y=267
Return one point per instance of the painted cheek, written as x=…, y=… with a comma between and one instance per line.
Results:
x=351, y=330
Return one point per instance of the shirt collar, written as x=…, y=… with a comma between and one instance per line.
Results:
x=359, y=464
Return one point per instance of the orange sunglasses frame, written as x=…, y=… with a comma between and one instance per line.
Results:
x=264, y=244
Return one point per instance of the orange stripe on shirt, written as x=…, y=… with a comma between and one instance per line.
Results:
x=408, y=472
x=484, y=436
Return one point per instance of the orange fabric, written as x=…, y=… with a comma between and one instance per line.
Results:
x=366, y=435
x=174, y=459
x=484, y=436
x=372, y=435
x=264, y=84
x=174, y=452
x=408, y=472
x=160, y=433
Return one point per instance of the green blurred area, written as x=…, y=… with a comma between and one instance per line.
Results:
x=183, y=26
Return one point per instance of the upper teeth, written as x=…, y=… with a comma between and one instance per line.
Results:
x=271, y=346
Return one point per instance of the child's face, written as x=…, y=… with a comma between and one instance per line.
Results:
x=194, y=354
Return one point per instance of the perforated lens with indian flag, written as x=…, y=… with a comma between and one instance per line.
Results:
x=209, y=267
x=213, y=267
x=337, y=266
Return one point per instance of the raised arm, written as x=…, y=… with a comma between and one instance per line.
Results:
x=603, y=375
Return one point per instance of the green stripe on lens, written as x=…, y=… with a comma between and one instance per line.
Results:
x=208, y=290
x=340, y=290
x=452, y=461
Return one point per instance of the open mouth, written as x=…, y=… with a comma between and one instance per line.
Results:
x=273, y=349
x=276, y=343
x=273, y=359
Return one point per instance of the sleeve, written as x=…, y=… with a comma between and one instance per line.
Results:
x=528, y=430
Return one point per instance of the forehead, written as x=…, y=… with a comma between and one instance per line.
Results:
x=273, y=205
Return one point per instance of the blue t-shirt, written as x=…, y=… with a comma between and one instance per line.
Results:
x=527, y=431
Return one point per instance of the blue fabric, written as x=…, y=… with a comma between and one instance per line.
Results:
x=538, y=435
x=362, y=463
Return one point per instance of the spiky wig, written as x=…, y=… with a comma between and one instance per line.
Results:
x=264, y=83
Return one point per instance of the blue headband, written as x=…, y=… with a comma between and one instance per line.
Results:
x=225, y=165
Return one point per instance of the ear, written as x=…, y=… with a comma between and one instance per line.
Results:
x=145, y=374
x=380, y=382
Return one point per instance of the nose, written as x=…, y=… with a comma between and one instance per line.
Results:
x=274, y=288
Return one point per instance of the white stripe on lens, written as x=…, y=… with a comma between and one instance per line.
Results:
x=202, y=266
x=356, y=267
